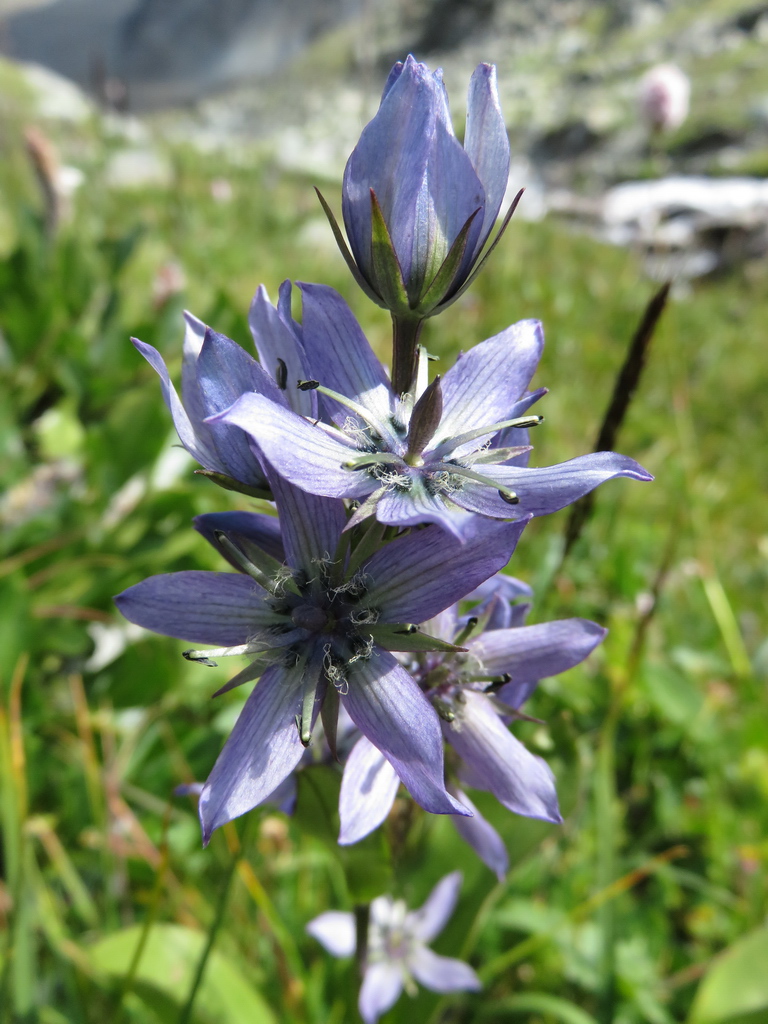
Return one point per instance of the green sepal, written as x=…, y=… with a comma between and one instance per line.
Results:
x=479, y=266
x=402, y=637
x=230, y=484
x=386, y=266
x=349, y=259
x=443, y=280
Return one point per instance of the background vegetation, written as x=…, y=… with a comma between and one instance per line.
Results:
x=659, y=743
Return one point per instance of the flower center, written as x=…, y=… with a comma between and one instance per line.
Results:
x=309, y=617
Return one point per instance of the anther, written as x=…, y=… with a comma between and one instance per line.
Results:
x=444, y=709
x=308, y=385
x=509, y=496
x=281, y=374
x=497, y=682
x=466, y=631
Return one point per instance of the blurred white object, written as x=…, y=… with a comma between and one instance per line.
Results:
x=664, y=96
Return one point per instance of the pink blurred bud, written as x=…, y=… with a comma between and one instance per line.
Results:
x=663, y=97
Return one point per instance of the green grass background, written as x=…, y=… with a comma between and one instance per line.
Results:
x=659, y=742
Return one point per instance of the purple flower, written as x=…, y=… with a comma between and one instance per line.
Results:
x=453, y=447
x=216, y=371
x=477, y=692
x=397, y=948
x=418, y=206
x=319, y=616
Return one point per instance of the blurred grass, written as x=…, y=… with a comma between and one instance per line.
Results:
x=659, y=743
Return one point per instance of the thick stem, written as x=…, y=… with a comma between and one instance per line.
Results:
x=405, y=352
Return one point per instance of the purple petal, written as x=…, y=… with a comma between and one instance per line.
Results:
x=486, y=143
x=277, y=341
x=381, y=987
x=416, y=576
x=482, y=837
x=299, y=451
x=551, y=488
x=388, y=707
x=531, y=653
x=518, y=436
x=225, y=371
x=339, y=356
x=334, y=930
x=497, y=595
x=199, y=447
x=202, y=607
x=450, y=193
x=254, y=527
x=262, y=750
x=429, y=920
x=442, y=973
x=423, y=179
x=417, y=506
x=194, y=336
x=518, y=779
x=284, y=796
x=444, y=625
x=368, y=788
x=311, y=525
x=484, y=384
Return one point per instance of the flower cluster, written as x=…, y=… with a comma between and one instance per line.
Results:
x=394, y=500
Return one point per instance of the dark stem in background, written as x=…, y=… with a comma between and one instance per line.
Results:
x=624, y=389
x=362, y=920
x=405, y=352
x=186, y=1014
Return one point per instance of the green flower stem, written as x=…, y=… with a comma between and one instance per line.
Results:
x=405, y=352
x=186, y=1014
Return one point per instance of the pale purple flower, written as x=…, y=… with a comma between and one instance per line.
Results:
x=320, y=624
x=216, y=371
x=477, y=692
x=436, y=201
x=454, y=447
x=398, y=953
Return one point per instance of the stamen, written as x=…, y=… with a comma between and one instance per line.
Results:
x=362, y=412
x=493, y=456
x=466, y=632
x=371, y=459
x=205, y=657
x=307, y=707
x=451, y=443
x=504, y=492
x=244, y=561
x=444, y=709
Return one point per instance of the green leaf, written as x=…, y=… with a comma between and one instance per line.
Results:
x=735, y=989
x=538, y=1003
x=167, y=968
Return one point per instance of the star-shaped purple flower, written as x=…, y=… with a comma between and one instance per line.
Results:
x=319, y=615
x=398, y=949
x=216, y=371
x=456, y=446
x=477, y=692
